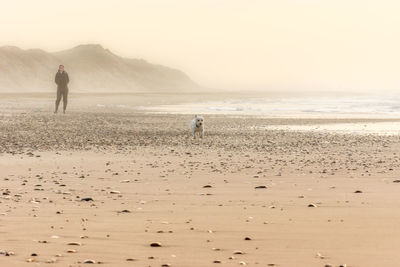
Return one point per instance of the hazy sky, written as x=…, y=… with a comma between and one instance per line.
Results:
x=241, y=44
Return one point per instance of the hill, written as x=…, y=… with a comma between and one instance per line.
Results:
x=91, y=68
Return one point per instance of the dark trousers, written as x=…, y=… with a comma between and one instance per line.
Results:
x=62, y=93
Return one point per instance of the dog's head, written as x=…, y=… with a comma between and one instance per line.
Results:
x=199, y=121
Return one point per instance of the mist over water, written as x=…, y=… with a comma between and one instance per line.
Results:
x=357, y=108
x=367, y=106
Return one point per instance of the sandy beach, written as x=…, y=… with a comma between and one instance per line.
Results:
x=112, y=185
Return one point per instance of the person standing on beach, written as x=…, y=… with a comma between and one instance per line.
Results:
x=62, y=80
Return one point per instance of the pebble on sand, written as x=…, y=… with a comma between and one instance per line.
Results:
x=74, y=244
x=125, y=211
x=260, y=187
x=320, y=256
x=155, y=244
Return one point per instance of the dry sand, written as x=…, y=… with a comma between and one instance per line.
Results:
x=103, y=184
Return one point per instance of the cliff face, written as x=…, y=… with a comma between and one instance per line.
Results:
x=91, y=68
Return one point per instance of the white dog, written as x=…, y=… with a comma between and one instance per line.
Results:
x=197, y=126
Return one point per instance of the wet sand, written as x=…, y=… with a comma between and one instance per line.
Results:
x=101, y=186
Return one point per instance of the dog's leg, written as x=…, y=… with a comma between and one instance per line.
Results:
x=201, y=135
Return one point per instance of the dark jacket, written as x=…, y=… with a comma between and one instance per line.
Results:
x=62, y=80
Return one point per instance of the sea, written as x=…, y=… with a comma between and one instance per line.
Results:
x=321, y=107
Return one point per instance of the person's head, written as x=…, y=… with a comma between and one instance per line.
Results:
x=61, y=68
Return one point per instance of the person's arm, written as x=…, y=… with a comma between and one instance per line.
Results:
x=56, y=79
x=67, y=78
